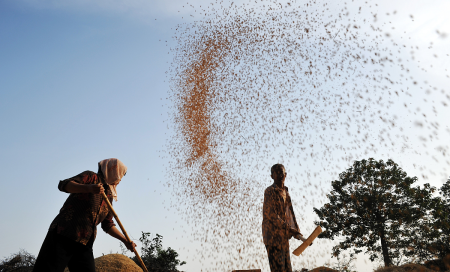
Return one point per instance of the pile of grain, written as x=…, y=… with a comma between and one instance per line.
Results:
x=114, y=263
x=323, y=269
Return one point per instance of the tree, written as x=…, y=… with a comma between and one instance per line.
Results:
x=430, y=237
x=155, y=257
x=21, y=261
x=441, y=213
x=369, y=204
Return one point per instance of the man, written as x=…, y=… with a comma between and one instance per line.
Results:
x=72, y=233
x=279, y=223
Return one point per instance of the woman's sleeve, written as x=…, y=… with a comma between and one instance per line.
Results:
x=108, y=222
x=87, y=177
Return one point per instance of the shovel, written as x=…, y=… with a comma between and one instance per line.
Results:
x=124, y=232
x=308, y=241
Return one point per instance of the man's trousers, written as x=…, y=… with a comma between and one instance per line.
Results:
x=279, y=258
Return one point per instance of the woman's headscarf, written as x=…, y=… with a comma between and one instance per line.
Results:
x=113, y=170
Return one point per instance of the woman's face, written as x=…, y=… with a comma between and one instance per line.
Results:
x=118, y=181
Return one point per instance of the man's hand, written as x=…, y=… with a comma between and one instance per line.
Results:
x=300, y=237
x=294, y=232
x=95, y=188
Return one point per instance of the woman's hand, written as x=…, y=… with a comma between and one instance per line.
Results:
x=114, y=232
x=130, y=246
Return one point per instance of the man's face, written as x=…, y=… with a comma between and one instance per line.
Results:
x=279, y=174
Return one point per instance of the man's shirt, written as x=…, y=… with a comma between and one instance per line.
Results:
x=278, y=216
x=82, y=212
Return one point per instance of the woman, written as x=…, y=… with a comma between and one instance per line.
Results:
x=72, y=233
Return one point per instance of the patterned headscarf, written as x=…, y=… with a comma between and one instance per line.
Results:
x=113, y=170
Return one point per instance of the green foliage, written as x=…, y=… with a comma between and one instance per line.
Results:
x=155, y=257
x=370, y=205
x=429, y=237
x=343, y=264
x=441, y=214
x=21, y=261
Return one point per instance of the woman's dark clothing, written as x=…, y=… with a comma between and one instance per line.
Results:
x=58, y=251
x=72, y=233
x=82, y=212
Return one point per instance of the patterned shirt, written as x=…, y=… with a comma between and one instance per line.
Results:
x=82, y=212
x=278, y=216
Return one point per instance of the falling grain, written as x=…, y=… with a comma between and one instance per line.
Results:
x=298, y=84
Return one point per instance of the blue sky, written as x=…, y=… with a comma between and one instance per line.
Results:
x=81, y=81
x=76, y=88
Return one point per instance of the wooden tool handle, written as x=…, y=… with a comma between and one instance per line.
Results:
x=124, y=232
x=308, y=241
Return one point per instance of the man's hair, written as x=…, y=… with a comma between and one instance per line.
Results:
x=275, y=167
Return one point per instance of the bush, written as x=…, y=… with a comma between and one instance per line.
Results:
x=21, y=261
x=344, y=264
x=155, y=257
